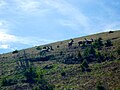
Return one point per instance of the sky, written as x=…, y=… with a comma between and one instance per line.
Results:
x=28, y=23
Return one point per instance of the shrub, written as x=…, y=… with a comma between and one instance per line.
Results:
x=89, y=54
x=111, y=31
x=16, y=51
x=89, y=51
x=58, y=46
x=36, y=88
x=8, y=82
x=34, y=77
x=44, y=87
x=80, y=57
x=84, y=66
x=100, y=57
x=61, y=52
x=63, y=74
x=71, y=59
x=108, y=43
x=31, y=75
x=43, y=84
x=86, y=52
x=99, y=86
x=83, y=45
x=118, y=50
x=92, y=51
x=98, y=43
x=38, y=48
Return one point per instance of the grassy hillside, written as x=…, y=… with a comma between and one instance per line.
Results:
x=85, y=67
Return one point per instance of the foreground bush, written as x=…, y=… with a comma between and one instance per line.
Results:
x=118, y=50
x=108, y=43
x=84, y=66
x=37, y=79
x=99, y=86
x=8, y=82
x=98, y=43
x=30, y=75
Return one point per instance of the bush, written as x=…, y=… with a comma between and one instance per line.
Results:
x=118, y=50
x=16, y=51
x=44, y=87
x=83, y=45
x=100, y=57
x=108, y=43
x=31, y=75
x=63, y=74
x=111, y=31
x=38, y=48
x=89, y=54
x=43, y=84
x=84, y=66
x=80, y=58
x=98, y=43
x=61, y=52
x=71, y=59
x=8, y=82
x=99, y=86
x=88, y=51
x=58, y=46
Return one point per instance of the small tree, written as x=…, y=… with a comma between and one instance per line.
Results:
x=31, y=75
x=84, y=66
x=98, y=43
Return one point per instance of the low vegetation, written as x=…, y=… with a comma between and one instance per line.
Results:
x=91, y=64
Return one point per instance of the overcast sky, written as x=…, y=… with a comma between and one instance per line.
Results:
x=26, y=23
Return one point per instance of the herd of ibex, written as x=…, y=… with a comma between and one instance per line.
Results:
x=86, y=41
x=70, y=43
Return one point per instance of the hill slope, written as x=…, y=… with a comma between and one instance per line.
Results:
x=62, y=65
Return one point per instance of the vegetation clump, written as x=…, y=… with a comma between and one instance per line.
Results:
x=108, y=43
x=34, y=77
x=118, y=50
x=84, y=66
x=16, y=51
x=38, y=48
x=99, y=86
x=8, y=82
x=30, y=75
x=100, y=57
x=98, y=43
x=89, y=54
x=111, y=31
